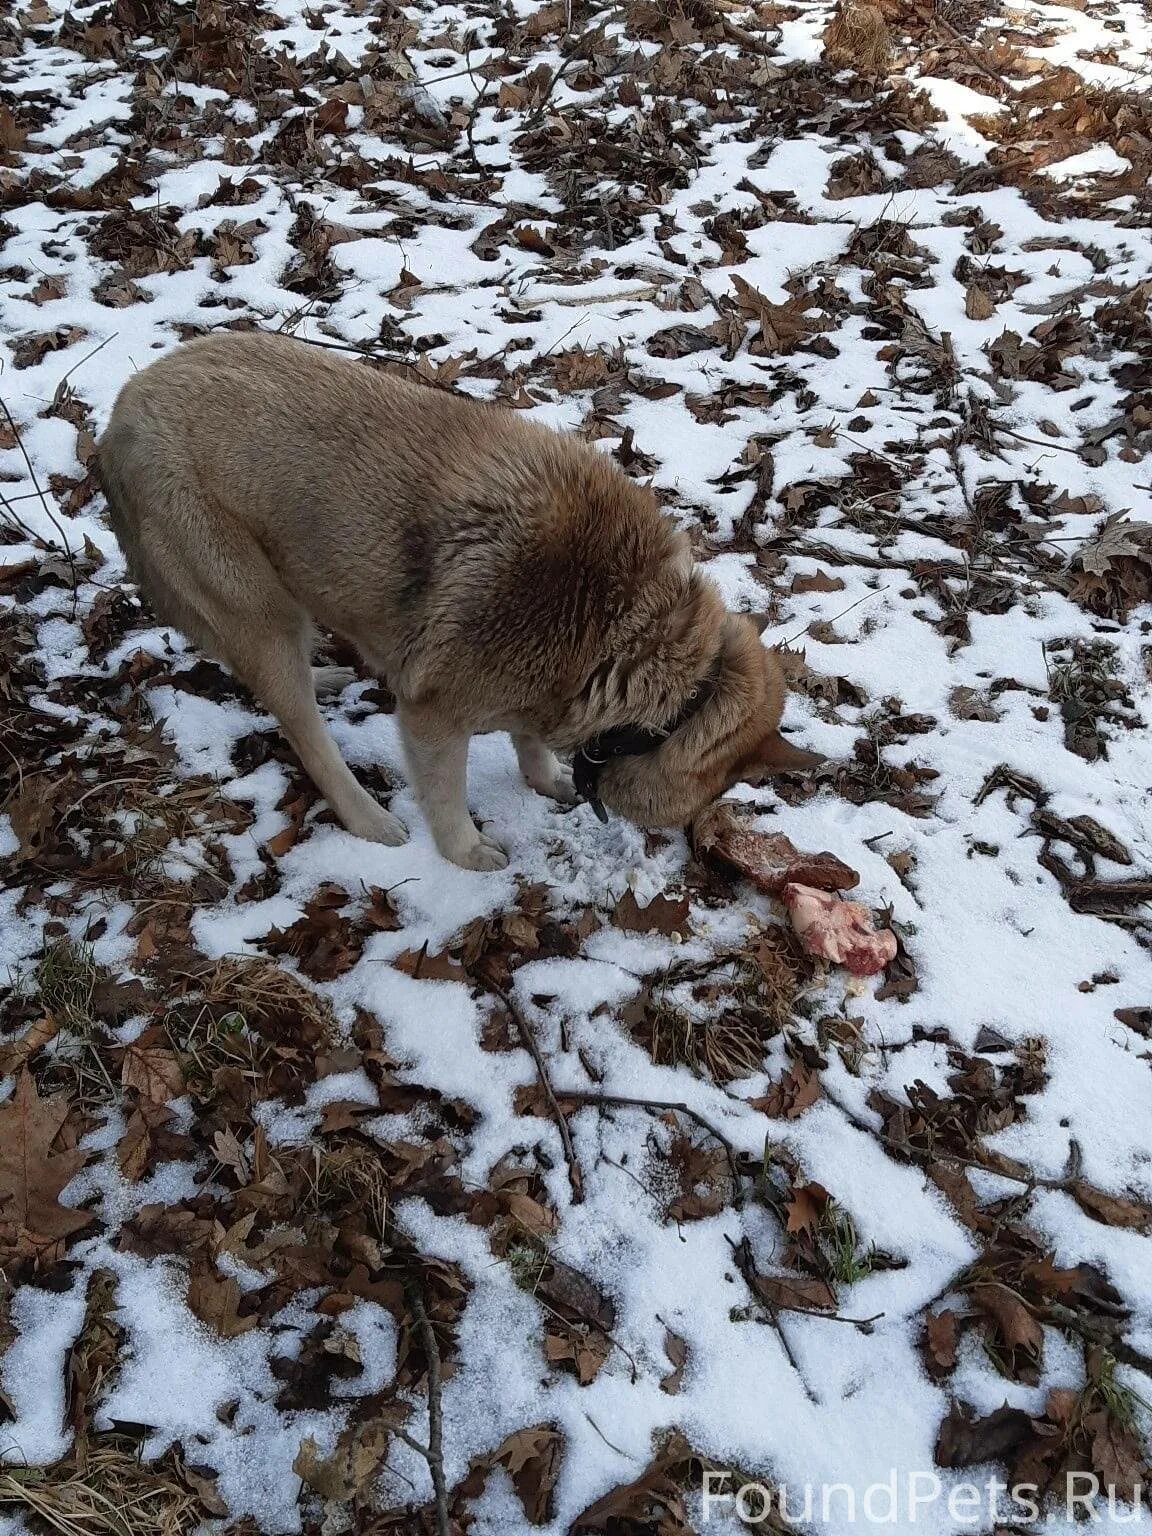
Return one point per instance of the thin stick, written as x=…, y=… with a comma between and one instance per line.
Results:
x=742, y=1255
x=570, y=52
x=606, y=1440
x=619, y=296
x=793, y=638
x=473, y=113
x=14, y=517
x=1026, y=1177
x=624, y=1101
x=984, y=68
x=358, y=350
x=575, y=1176
x=67, y=548
x=745, y=39
x=88, y=356
x=1038, y=442
x=434, y=1454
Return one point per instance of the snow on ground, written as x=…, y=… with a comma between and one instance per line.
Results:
x=275, y=1158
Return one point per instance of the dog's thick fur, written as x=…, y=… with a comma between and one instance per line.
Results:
x=500, y=576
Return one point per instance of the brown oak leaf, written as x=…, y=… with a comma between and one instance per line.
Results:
x=33, y=1223
x=216, y=1301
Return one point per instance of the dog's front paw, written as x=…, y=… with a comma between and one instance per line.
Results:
x=377, y=825
x=546, y=774
x=329, y=682
x=485, y=854
x=560, y=786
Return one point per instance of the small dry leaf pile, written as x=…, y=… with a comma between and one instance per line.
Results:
x=341, y=1192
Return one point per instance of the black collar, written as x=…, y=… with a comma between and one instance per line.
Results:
x=632, y=741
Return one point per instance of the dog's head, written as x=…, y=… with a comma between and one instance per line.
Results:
x=733, y=738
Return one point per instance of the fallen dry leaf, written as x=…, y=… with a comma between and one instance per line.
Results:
x=152, y=1071
x=33, y=1172
x=966, y=1441
x=818, y=581
x=1112, y=1210
x=216, y=1301
x=653, y=1503
x=676, y=1349
x=806, y=1207
x=781, y=327
x=1112, y=571
x=661, y=915
x=531, y=1458
x=940, y=1343
x=17, y=1053
x=796, y=1091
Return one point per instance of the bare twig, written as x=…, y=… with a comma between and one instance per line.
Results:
x=51, y=516
x=607, y=1442
x=482, y=93
x=984, y=67
x=528, y=1039
x=571, y=52
x=14, y=518
x=617, y=296
x=742, y=1255
x=792, y=639
x=88, y=356
x=745, y=39
x=623, y=1101
x=926, y=1156
x=433, y=1453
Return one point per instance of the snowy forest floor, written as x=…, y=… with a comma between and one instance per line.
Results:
x=305, y=1140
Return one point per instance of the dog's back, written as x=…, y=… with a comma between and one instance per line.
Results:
x=394, y=514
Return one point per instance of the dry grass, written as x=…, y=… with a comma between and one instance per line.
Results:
x=117, y=1495
x=352, y=1175
x=748, y=1007
x=64, y=985
x=722, y=1047
x=246, y=1008
x=857, y=38
x=66, y=978
x=272, y=1001
x=134, y=816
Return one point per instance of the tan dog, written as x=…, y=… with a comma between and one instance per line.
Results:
x=500, y=576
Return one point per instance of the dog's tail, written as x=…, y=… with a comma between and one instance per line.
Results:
x=114, y=454
x=145, y=508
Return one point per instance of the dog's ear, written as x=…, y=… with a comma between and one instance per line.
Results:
x=778, y=755
x=759, y=621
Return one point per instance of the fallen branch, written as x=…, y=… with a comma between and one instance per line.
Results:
x=41, y=493
x=528, y=1039
x=570, y=53
x=926, y=1156
x=745, y=39
x=967, y=48
x=742, y=1254
x=623, y=1101
x=433, y=1452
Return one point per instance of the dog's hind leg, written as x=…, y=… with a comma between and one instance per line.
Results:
x=203, y=571
x=276, y=667
x=439, y=766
